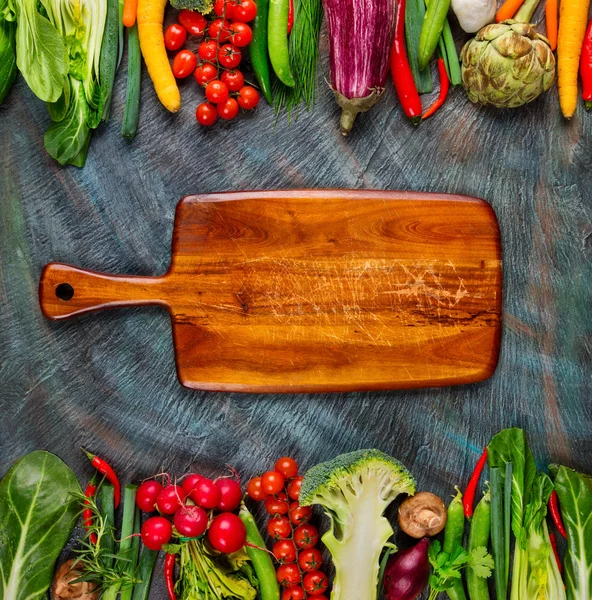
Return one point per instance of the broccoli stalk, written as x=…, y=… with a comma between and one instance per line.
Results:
x=355, y=489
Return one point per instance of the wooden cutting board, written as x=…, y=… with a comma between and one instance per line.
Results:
x=324, y=290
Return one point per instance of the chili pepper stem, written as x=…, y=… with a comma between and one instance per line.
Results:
x=589, y=105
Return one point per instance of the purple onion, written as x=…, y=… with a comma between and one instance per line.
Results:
x=360, y=39
x=407, y=572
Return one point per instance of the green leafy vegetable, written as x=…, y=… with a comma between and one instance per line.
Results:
x=575, y=499
x=203, y=6
x=38, y=511
x=414, y=15
x=7, y=51
x=355, y=489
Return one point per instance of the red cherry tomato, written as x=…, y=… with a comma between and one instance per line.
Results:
x=223, y=8
x=244, y=10
x=206, y=114
x=219, y=30
x=306, y=536
x=227, y=533
x=272, y=482
x=146, y=495
x=216, y=91
x=294, y=592
x=230, y=494
x=279, y=528
x=300, y=514
x=248, y=97
x=240, y=34
x=193, y=22
x=294, y=487
x=174, y=36
x=208, y=50
x=284, y=551
x=285, y=466
x=206, y=494
x=190, y=482
x=277, y=505
x=228, y=110
x=191, y=521
x=288, y=574
x=205, y=73
x=254, y=489
x=184, y=64
x=233, y=79
x=315, y=583
x=155, y=532
x=310, y=559
x=170, y=499
x=229, y=56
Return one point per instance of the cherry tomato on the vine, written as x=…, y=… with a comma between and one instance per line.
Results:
x=229, y=56
x=310, y=559
x=294, y=592
x=216, y=91
x=284, y=551
x=300, y=514
x=254, y=488
x=206, y=114
x=228, y=109
x=240, y=34
x=208, y=50
x=184, y=64
x=277, y=505
x=174, y=36
x=288, y=574
x=279, y=527
x=285, y=466
x=294, y=487
x=244, y=10
x=223, y=8
x=194, y=23
x=219, y=30
x=205, y=73
x=272, y=482
x=233, y=79
x=315, y=583
x=306, y=536
x=248, y=97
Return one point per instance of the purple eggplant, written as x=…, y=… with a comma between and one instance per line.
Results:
x=407, y=572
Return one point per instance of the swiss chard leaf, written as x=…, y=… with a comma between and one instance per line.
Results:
x=575, y=498
x=7, y=55
x=37, y=514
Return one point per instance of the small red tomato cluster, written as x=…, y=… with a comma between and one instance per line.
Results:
x=295, y=538
x=189, y=510
x=219, y=54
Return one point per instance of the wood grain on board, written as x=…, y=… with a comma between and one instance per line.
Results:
x=321, y=290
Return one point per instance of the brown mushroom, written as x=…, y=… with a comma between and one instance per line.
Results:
x=62, y=589
x=422, y=514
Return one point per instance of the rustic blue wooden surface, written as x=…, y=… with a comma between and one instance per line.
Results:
x=107, y=381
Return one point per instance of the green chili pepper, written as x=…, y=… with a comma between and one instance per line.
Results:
x=277, y=38
x=453, y=537
x=258, y=49
x=431, y=29
x=479, y=536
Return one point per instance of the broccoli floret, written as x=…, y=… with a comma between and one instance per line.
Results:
x=355, y=489
x=202, y=6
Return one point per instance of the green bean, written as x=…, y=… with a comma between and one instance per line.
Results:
x=262, y=563
x=258, y=49
x=277, y=39
x=134, y=75
x=479, y=536
x=145, y=568
x=107, y=541
x=453, y=537
x=497, y=533
x=431, y=29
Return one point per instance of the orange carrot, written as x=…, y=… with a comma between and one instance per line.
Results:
x=508, y=9
x=552, y=22
x=130, y=11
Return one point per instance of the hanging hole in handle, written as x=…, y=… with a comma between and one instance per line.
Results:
x=64, y=291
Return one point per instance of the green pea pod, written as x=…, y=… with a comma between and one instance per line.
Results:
x=258, y=49
x=477, y=587
x=277, y=39
x=453, y=537
x=431, y=29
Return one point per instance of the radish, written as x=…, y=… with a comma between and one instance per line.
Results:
x=230, y=494
x=227, y=533
x=170, y=499
x=206, y=494
x=191, y=521
x=147, y=494
x=190, y=482
x=407, y=572
x=156, y=532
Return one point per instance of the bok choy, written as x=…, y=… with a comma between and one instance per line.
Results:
x=7, y=51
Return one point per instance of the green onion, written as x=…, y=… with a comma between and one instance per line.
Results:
x=497, y=533
x=132, y=94
x=414, y=15
x=126, y=593
x=108, y=57
x=452, y=61
x=107, y=541
x=145, y=568
x=507, y=516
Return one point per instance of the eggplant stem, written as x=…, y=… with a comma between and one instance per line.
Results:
x=350, y=107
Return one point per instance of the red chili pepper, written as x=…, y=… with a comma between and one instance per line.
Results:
x=290, y=16
x=444, y=87
x=554, y=546
x=87, y=513
x=469, y=495
x=556, y=514
x=401, y=71
x=169, y=569
x=586, y=67
x=105, y=469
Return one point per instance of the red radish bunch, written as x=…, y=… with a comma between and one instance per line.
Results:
x=214, y=66
x=294, y=537
x=189, y=510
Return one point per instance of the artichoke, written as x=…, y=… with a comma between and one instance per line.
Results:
x=507, y=64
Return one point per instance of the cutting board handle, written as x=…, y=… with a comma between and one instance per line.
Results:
x=66, y=291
